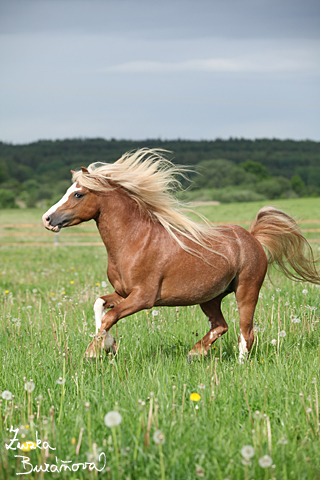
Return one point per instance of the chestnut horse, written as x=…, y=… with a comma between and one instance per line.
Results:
x=157, y=256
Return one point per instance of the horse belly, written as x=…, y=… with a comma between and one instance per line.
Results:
x=193, y=288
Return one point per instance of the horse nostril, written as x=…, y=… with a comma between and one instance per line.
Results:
x=48, y=218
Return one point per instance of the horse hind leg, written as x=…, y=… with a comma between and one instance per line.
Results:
x=247, y=295
x=217, y=323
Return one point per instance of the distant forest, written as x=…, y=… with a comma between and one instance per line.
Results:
x=231, y=170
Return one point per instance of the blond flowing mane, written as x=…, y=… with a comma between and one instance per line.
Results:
x=151, y=180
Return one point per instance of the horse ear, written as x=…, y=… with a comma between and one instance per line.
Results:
x=72, y=171
x=84, y=170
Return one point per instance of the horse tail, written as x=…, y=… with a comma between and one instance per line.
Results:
x=285, y=244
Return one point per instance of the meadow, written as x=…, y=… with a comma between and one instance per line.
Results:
x=210, y=419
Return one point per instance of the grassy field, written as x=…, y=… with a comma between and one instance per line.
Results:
x=271, y=402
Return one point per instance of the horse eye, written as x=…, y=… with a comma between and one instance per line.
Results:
x=78, y=195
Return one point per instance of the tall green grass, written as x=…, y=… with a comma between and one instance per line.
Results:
x=270, y=402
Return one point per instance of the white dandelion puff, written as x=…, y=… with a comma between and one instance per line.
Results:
x=158, y=437
x=282, y=441
x=265, y=461
x=29, y=386
x=273, y=342
x=247, y=451
x=103, y=284
x=304, y=291
x=296, y=320
x=6, y=395
x=112, y=419
x=60, y=381
x=282, y=334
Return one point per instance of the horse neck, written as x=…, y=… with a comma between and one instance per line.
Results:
x=119, y=220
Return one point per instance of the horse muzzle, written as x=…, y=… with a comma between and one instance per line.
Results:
x=55, y=222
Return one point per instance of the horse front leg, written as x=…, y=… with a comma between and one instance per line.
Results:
x=100, y=305
x=136, y=301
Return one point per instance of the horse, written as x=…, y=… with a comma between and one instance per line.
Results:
x=158, y=256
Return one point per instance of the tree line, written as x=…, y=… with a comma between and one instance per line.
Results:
x=224, y=170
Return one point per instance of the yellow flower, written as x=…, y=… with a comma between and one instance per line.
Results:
x=7, y=291
x=98, y=284
x=63, y=291
x=72, y=281
x=73, y=441
x=27, y=426
x=195, y=397
x=27, y=446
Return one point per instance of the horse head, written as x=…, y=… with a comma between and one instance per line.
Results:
x=78, y=204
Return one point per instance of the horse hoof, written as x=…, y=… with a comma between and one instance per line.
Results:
x=191, y=357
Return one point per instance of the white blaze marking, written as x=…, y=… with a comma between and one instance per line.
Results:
x=63, y=200
x=211, y=335
x=243, y=350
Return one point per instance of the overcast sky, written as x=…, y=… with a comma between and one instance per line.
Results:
x=137, y=69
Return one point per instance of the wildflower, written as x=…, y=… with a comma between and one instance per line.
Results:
x=104, y=284
x=282, y=334
x=304, y=291
x=27, y=446
x=6, y=395
x=29, y=386
x=246, y=461
x=155, y=313
x=265, y=461
x=34, y=290
x=112, y=419
x=29, y=306
x=308, y=410
x=201, y=386
x=273, y=342
x=73, y=441
x=72, y=282
x=98, y=284
x=257, y=414
x=296, y=320
x=195, y=397
x=6, y=291
x=247, y=451
x=60, y=381
x=158, y=437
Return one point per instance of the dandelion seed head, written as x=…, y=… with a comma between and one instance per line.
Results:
x=29, y=386
x=283, y=441
x=273, y=342
x=158, y=437
x=247, y=451
x=112, y=419
x=6, y=395
x=60, y=381
x=265, y=461
x=304, y=291
x=282, y=334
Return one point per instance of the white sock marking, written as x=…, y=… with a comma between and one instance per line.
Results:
x=98, y=314
x=243, y=350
